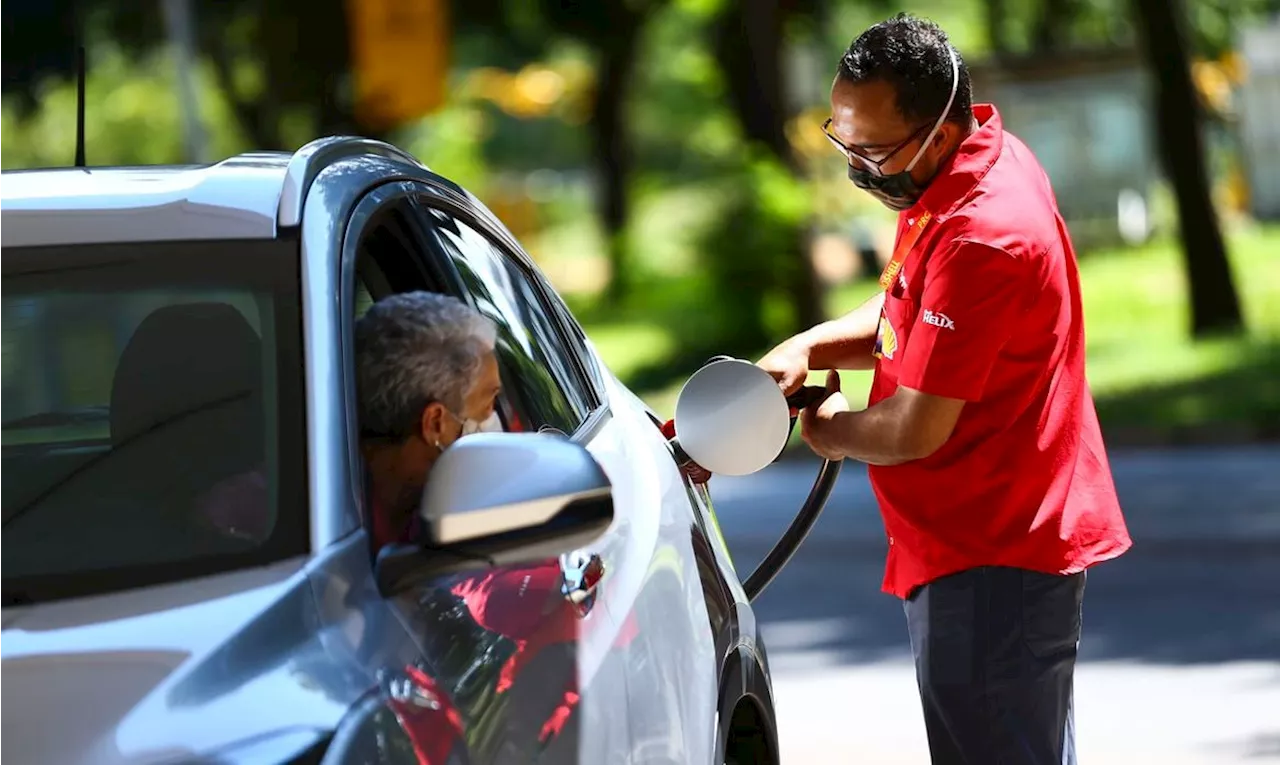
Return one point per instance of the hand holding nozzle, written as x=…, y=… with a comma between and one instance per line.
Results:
x=804, y=398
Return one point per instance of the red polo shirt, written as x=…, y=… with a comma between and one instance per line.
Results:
x=987, y=309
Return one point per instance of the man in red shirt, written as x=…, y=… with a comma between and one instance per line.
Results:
x=982, y=441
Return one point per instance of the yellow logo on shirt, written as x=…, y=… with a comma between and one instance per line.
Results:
x=886, y=339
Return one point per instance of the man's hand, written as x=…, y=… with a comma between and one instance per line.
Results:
x=819, y=423
x=788, y=363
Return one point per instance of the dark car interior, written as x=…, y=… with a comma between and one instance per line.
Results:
x=176, y=459
x=190, y=373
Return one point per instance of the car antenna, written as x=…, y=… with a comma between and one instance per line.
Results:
x=80, y=77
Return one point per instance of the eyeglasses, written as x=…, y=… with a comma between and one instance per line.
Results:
x=852, y=153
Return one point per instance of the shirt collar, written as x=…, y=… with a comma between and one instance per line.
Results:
x=966, y=167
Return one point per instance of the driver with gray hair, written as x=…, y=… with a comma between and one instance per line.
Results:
x=426, y=375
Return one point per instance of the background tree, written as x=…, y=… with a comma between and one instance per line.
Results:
x=1053, y=24
x=300, y=49
x=38, y=40
x=611, y=31
x=1215, y=306
x=749, y=40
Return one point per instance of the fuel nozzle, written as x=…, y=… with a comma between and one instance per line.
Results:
x=804, y=398
x=693, y=470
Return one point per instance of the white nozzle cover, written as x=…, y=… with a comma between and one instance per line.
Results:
x=731, y=418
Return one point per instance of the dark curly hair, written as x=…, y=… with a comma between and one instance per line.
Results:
x=910, y=54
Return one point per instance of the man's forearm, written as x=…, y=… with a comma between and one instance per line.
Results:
x=909, y=425
x=877, y=435
x=848, y=341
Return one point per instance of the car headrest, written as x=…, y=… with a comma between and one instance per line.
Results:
x=184, y=360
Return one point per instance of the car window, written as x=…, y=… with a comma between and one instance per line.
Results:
x=58, y=373
x=576, y=341
x=364, y=300
x=538, y=371
x=152, y=415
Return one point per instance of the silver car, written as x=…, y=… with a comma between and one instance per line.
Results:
x=187, y=571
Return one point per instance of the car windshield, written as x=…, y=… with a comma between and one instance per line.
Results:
x=152, y=414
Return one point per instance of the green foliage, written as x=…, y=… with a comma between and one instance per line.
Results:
x=962, y=20
x=979, y=27
x=1214, y=23
x=451, y=142
x=751, y=252
x=1145, y=373
x=682, y=126
x=37, y=44
x=721, y=289
x=678, y=113
x=131, y=117
x=702, y=10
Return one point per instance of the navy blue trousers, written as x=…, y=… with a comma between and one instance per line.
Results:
x=995, y=651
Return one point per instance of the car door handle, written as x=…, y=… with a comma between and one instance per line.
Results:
x=581, y=573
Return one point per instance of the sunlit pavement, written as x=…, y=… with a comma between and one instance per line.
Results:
x=1180, y=658
x=1127, y=713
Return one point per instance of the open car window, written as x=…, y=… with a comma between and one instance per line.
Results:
x=538, y=376
x=152, y=414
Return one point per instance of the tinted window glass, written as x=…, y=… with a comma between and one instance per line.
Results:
x=576, y=341
x=537, y=371
x=153, y=424
x=364, y=301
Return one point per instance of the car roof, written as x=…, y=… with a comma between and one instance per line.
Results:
x=252, y=196
x=234, y=199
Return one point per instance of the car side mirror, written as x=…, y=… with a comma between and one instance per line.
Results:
x=500, y=499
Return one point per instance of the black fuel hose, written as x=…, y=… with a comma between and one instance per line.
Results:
x=795, y=534
x=810, y=511
x=802, y=524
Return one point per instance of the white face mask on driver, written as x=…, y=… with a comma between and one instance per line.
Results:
x=490, y=424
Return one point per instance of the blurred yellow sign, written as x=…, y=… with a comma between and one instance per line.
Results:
x=399, y=58
x=532, y=92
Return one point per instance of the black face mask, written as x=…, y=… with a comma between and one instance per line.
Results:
x=898, y=192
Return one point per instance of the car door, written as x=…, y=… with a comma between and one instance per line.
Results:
x=568, y=675
x=691, y=539
x=677, y=656
x=504, y=645
x=651, y=602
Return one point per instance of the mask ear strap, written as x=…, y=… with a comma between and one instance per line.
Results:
x=955, y=84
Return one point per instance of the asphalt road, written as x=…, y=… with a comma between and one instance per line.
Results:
x=1180, y=656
